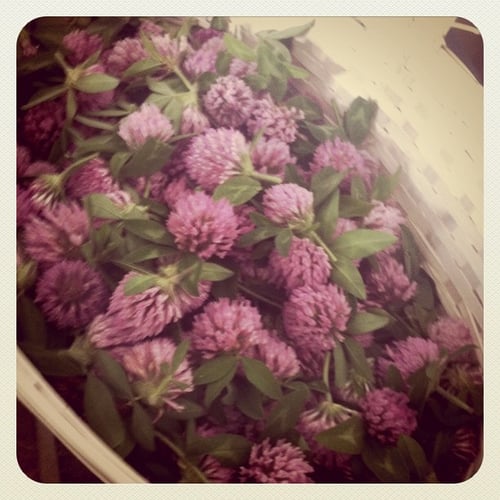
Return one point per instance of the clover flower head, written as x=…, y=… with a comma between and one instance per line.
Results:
x=71, y=293
x=80, y=45
x=215, y=156
x=202, y=60
x=57, y=233
x=123, y=54
x=150, y=28
x=408, y=356
x=389, y=283
x=193, y=121
x=148, y=122
x=93, y=177
x=168, y=48
x=23, y=160
x=288, y=204
x=271, y=156
x=450, y=334
x=198, y=36
x=276, y=121
x=25, y=207
x=136, y=317
x=305, y=264
x=228, y=101
x=155, y=183
x=343, y=225
x=281, y=462
x=144, y=363
x=178, y=188
x=224, y=326
x=203, y=226
x=241, y=68
x=385, y=217
x=341, y=156
x=387, y=415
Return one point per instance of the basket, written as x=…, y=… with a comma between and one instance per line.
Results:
x=424, y=124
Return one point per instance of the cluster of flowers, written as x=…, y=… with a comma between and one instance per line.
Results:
x=173, y=229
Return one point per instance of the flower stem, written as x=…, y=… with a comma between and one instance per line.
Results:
x=76, y=165
x=182, y=78
x=258, y=296
x=454, y=400
x=182, y=456
x=271, y=179
x=326, y=375
x=316, y=238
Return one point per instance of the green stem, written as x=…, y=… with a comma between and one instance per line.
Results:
x=181, y=455
x=182, y=78
x=76, y=165
x=454, y=400
x=271, y=179
x=256, y=295
x=326, y=375
x=316, y=238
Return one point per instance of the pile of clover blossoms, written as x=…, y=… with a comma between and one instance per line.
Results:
x=213, y=270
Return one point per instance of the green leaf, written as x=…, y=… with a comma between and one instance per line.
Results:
x=358, y=189
x=238, y=49
x=205, y=80
x=220, y=23
x=238, y=189
x=174, y=110
x=351, y=207
x=286, y=412
x=278, y=86
x=147, y=251
x=52, y=362
x=394, y=379
x=411, y=253
x=230, y=449
x=179, y=354
x=324, y=183
x=414, y=456
x=223, y=62
x=345, y=274
x=213, y=389
x=292, y=176
x=93, y=123
x=283, y=240
x=249, y=401
x=296, y=71
x=150, y=158
x=361, y=243
x=45, y=94
x=32, y=322
x=386, y=463
x=100, y=206
x=191, y=282
x=141, y=67
x=112, y=373
x=150, y=230
x=312, y=111
x=71, y=105
x=327, y=216
x=214, y=272
x=98, y=82
x=346, y=437
x=259, y=375
x=142, y=427
x=385, y=185
x=340, y=366
x=358, y=119
x=364, y=322
x=291, y=32
x=101, y=413
x=226, y=288
x=257, y=82
x=258, y=234
x=356, y=356
x=108, y=143
x=215, y=369
x=322, y=133
x=140, y=283
x=190, y=410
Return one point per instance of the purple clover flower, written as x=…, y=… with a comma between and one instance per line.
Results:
x=228, y=101
x=215, y=156
x=278, y=463
x=305, y=264
x=146, y=123
x=193, y=121
x=387, y=415
x=168, y=48
x=71, y=294
x=451, y=334
x=123, y=54
x=80, y=45
x=203, y=60
x=93, y=177
x=23, y=160
x=144, y=363
x=289, y=204
x=94, y=101
x=203, y=226
x=271, y=156
x=225, y=326
x=241, y=68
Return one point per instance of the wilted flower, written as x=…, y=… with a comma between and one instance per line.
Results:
x=71, y=293
x=149, y=367
x=203, y=226
x=228, y=101
x=80, y=45
x=225, y=326
x=135, y=317
x=305, y=264
x=408, y=356
x=278, y=463
x=215, y=156
x=279, y=122
x=146, y=123
x=57, y=233
x=388, y=415
x=289, y=204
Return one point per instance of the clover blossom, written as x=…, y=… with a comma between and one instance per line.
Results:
x=122, y=55
x=80, y=45
x=271, y=156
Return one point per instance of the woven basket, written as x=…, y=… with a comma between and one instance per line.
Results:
x=430, y=122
